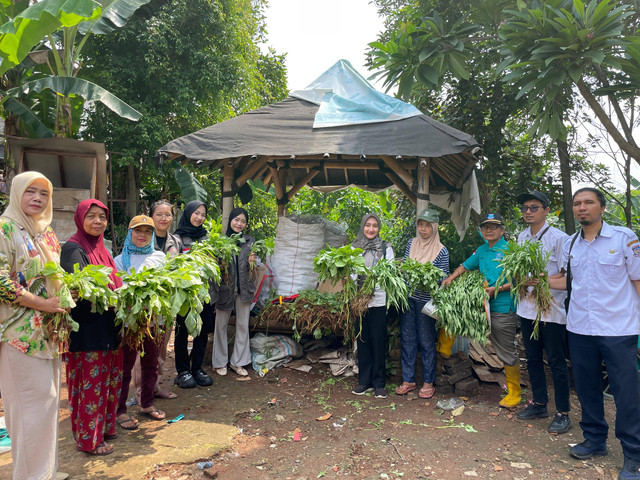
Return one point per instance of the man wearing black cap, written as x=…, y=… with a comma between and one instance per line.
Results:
x=552, y=331
x=487, y=259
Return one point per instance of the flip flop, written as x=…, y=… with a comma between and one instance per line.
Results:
x=166, y=394
x=102, y=453
x=110, y=436
x=405, y=388
x=427, y=392
x=127, y=420
x=154, y=414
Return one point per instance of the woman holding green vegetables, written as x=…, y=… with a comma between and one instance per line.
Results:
x=236, y=291
x=94, y=361
x=189, y=366
x=137, y=254
x=372, y=341
x=417, y=330
x=29, y=364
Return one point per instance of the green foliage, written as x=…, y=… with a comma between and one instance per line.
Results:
x=188, y=64
x=461, y=307
x=522, y=263
x=91, y=283
x=387, y=276
x=263, y=248
x=336, y=264
x=423, y=277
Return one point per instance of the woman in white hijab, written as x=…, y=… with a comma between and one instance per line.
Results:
x=29, y=364
x=417, y=330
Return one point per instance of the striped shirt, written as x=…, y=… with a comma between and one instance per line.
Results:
x=441, y=261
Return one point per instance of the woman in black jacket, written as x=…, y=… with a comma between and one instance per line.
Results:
x=236, y=291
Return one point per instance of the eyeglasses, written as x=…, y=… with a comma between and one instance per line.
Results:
x=490, y=226
x=160, y=215
x=531, y=208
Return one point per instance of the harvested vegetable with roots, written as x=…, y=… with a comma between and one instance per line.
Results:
x=91, y=283
x=461, y=307
x=386, y=275
x=263, y=248
x=521, y=264
x=423, y=277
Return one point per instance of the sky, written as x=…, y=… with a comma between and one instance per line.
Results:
x=315, y=35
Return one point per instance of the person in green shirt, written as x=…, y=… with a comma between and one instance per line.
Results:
x=487, y=259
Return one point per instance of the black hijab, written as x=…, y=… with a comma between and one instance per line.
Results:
x=234, y=213
x=185, y=227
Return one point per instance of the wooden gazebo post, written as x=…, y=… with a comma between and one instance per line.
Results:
x=227, y=193
x=422, y=194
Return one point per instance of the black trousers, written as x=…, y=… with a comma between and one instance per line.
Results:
x=372, y=348
x=193, y=362
x=619, y=355
x=551, y=338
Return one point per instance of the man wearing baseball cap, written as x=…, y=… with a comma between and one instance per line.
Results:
x=552, y=330
x=486, y=259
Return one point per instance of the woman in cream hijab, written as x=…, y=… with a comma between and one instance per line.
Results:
x=29, y=365
x=418, y=331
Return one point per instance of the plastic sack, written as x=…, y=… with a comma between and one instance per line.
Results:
x=268, y=352
x=430, y=309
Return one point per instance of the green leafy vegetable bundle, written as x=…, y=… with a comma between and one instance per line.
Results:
x=91, y=283
x=161, y=293
x=387, y=275
x=461, y=307
x=423, y=277
x=263, y=248
x=521, y=264
x=338, y=265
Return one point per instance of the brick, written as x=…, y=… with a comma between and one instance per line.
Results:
x=453, y=379
x=468, y=387
x=454, y=359
x=458, y=367
x=442, y=380
x=444, y=389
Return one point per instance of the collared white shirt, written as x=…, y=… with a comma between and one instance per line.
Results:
x=552, y=241
x=604, y=301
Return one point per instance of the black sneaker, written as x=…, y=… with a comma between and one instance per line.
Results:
x=361, y=390
x=588, y=449
x=380, y=392
x=185, y=380
x=202, y=378
x=560, y=423
x=533, y=410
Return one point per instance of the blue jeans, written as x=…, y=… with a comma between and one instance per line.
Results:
x=619, y=355
x=418, y=331
x=551, y=339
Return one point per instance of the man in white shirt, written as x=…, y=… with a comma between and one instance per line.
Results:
x=603, y=263
x=552, y=331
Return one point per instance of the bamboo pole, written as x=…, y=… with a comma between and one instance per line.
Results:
x=399, y=170
x=227, y=187
x=424, y=165
x=397, y=181
x=303, y=181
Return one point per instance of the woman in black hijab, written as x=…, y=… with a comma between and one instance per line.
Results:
x=189, y=367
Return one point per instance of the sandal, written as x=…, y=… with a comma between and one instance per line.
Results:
x=166, y=394
x=154, y=414
x=427, y=392
x=110, y=436
x=100, y=450
x=405, y=388
x=130, y=421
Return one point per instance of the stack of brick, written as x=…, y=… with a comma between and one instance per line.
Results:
x=454, y=375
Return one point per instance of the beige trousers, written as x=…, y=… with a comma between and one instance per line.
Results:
x=31, y=397
x=241, y=355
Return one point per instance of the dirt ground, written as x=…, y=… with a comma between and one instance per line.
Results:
x=295, y=425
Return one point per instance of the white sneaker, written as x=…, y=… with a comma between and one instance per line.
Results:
x=239, y=370
x=221, y=371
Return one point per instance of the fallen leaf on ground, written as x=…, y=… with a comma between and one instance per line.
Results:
x=457, y=411
x=520, y=465
x=324, y=417
x=497, y=468
x=243, y=379
x=494, y=414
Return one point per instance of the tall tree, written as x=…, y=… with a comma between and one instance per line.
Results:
x=185, y=64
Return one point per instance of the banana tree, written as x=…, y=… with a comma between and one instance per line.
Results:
x=52, y=33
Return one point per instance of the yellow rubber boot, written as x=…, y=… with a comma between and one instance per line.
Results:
x=512, y=399
x=445, y=344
